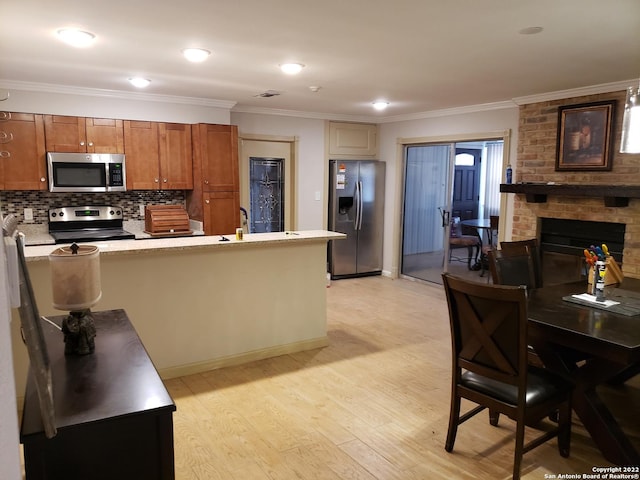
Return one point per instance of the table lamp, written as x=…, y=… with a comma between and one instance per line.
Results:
x=75, y=278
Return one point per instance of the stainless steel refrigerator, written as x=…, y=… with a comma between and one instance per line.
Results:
x=356, y=207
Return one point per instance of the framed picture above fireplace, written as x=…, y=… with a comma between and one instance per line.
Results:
x=584, y=136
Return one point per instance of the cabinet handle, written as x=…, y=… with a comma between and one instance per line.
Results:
x=82, y=144
x=164, y=180
x=42, y=179
x=156, y=180
x=206, y=182
x=5, y=137
x=206, y=201
x=4, y=116
x=5, y=154
x=91, y=144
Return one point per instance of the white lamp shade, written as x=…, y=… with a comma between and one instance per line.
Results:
x=75, y=278
x=630, y=141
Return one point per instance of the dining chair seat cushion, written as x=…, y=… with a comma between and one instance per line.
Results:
x=541, y=386
x=468, y=240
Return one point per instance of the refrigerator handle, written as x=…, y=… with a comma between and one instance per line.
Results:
x=358, y=220
x=360, y=205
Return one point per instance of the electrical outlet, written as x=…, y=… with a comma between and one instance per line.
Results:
x=142, y=210
x=318, y=196
x=28, y=215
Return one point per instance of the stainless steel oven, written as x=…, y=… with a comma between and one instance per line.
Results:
x=87, y=224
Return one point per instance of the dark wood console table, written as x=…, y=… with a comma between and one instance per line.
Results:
x=113, y=413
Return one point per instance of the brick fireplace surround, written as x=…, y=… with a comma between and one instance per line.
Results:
x=537, y=139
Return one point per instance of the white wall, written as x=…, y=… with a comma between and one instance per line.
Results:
x=310, y=166
x=114, y=107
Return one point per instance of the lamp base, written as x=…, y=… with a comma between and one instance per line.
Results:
x=79, y=333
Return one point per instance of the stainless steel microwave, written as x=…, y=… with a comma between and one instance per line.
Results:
x=86, y=172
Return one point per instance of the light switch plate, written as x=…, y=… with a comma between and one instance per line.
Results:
x=28, y=215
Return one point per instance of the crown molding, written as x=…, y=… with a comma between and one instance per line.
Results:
x=446, y=112
x=303, y=114
x=96, y=92
x=576, y=92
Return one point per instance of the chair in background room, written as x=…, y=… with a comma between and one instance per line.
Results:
x=489, y=342
x=492, y=244
x=457, y=239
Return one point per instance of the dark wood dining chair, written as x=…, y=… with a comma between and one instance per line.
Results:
x=526, y=247
x=459, y=239
x=492, y=242
x=489, y=347
x=516, y=265
x=512, y=268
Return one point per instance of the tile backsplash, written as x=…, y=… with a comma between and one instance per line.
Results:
x=40, y=202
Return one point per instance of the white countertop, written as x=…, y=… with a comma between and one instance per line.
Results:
x=41, y=252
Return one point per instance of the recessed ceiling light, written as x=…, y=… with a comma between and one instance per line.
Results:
x=380, y=104
x=75, y=37
x=291, y=68
x=196, y=55
x=139, y=82
x=530, y=30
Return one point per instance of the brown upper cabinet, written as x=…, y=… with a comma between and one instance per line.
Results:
x=216, y=149
x=215, y=198
x=22, y=152
x=158, y=155
x=83, y=135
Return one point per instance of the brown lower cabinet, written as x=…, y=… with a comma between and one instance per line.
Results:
x=221, y=212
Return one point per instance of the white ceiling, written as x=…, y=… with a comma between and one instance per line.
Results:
x=420, y=55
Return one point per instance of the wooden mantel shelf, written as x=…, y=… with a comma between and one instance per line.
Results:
x=614, y=195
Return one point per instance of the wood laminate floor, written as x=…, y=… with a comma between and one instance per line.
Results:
x=374, y=404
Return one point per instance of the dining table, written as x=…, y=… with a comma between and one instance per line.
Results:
x=481, y=225
x=591, y=344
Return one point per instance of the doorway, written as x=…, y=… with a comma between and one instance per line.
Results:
x=267, y=183
x=443, y=181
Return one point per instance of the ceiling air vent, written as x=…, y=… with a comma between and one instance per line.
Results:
x=268, y=93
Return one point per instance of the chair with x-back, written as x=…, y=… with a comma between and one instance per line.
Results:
x=489, y=348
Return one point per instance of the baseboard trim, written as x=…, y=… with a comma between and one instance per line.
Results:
x=239, y=359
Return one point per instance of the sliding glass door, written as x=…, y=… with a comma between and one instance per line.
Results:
x=442, y=181
x=427, y=201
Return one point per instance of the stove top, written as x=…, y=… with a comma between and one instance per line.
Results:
x=87, y=224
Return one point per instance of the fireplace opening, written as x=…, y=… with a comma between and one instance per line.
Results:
x=562, y=244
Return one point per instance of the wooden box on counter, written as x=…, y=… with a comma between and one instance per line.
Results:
x=166, y=220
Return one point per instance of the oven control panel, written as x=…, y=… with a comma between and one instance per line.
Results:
x=85, y=214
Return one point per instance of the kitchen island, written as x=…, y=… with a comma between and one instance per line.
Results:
x=199, y=303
